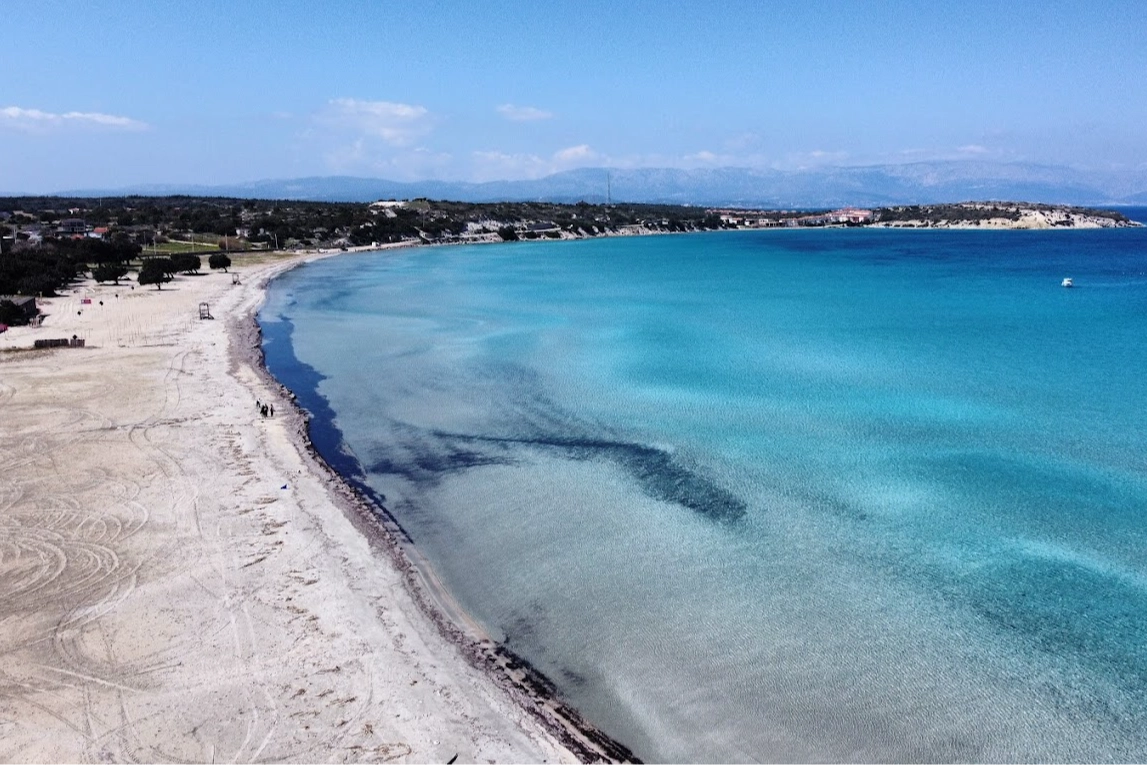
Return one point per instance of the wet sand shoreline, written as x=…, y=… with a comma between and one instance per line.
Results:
x=524, y=683
x=180, y=580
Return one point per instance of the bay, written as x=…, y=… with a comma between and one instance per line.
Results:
x=827, y=495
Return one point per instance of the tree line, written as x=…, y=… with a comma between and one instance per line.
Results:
x=47, y=269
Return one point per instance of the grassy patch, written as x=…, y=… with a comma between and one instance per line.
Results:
x=167, y=248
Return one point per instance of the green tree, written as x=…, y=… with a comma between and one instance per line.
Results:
x=187, y=263
x=155, y=271
x=219, y=260
x=109, y=272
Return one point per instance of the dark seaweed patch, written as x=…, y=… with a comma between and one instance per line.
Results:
x=575, y=679
x=325, y=437
x=658, y=474
x=303, y=380
x=427, y=465
x=1068, y=610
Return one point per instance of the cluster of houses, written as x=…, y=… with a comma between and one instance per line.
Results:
x=846, y=216
x=21, y=229
x=18, y=231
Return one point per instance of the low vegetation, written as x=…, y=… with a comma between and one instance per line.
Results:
x=46, y=242
x=974, y=213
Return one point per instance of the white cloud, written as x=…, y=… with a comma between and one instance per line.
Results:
x=712, y=159
x=802, y=160
x=400, y=164
x=499, y=165
x=941, y=154
x=828, y=155
x=523, y=113
x=576, y=155
x=36, y=120
x=396, y=124
x=704, y=157
x=382, y=138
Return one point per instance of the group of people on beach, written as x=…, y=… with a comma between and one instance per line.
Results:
x=267, y=410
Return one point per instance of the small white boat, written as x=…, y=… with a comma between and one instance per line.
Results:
x=1066, y=283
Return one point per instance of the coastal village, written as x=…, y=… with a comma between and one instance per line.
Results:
x=45, y=242
x=177, y=224
x=246, y=226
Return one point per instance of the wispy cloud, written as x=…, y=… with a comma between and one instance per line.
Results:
x=942, y=154
x=802, y=160
x=706, y=158
x=380, y=137
x=404, y=164
x=33, y=120
x=523, y=113
x=497, y=165
x=396, y=124
x=576, y=155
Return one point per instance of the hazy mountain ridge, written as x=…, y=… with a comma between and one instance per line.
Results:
x=873, y=185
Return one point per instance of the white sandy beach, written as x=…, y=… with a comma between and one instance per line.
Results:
x=181, y=581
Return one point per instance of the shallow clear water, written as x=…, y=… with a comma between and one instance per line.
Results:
x=807, y=495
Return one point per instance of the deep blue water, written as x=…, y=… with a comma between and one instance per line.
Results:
x=781, y=495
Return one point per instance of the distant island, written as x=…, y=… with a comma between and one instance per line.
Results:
x=46, y=242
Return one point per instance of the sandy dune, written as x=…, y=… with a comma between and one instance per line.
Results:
x=179, y=581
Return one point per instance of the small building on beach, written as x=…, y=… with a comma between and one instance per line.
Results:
x=23, y=309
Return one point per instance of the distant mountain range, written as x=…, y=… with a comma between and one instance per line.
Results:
x=873, y=185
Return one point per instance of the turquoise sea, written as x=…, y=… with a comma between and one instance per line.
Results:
x=825, y=495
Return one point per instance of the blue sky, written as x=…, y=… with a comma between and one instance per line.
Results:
x=100, y=94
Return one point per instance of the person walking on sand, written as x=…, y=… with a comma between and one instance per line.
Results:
x=272, y=410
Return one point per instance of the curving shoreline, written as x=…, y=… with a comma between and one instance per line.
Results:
x=150, y=431
x=181, y=581
x=514, y=675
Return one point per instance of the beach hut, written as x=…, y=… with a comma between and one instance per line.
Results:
x=23, y=308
